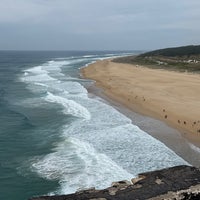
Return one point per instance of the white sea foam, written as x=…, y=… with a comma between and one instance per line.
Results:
x=77, y=165
x=89, y=56
x=58, y=63
x=38, y=78
x=91, y=62
x=113, y=134
x=75, y=61
x=35, y=70
x=44, y=75
x=70, y=107
x=197, y=149
x=41, y=84
x=36, y=74
x=54, y=66
x=74, y=87
x=101, y=145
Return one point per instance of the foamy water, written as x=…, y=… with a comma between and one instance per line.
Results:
x=98, y=145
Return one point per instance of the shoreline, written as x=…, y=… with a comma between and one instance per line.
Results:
x=171, y=136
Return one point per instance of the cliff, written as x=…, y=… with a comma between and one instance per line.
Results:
x=180, y=182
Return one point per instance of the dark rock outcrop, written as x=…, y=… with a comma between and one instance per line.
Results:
x=181, y=182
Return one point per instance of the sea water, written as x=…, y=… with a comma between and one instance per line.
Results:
x=55, y=138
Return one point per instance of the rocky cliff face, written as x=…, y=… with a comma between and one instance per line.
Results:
x=181, y=183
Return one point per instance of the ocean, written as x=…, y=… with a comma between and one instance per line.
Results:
x=55, y=138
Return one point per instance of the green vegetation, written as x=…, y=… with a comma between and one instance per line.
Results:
x=186, y=51
x=183, y=59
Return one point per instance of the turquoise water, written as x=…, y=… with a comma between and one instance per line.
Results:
x=54, y=139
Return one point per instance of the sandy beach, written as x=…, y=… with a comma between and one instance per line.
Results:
x=169, y=96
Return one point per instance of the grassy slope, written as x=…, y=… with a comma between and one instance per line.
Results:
x=185, y=58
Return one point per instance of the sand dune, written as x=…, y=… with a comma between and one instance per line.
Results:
x=169, y=96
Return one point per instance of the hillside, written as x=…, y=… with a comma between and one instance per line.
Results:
x=186, y=58
x=177, y=51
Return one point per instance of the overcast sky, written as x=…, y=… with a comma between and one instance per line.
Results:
x=98, y=24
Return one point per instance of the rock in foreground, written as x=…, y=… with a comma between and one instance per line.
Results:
x=181, y=182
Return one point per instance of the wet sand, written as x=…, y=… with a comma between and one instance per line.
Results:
x=147, y=96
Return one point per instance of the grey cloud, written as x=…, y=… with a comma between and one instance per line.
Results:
x=97, y=24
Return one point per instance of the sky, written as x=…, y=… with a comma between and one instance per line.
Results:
x=98, y=24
